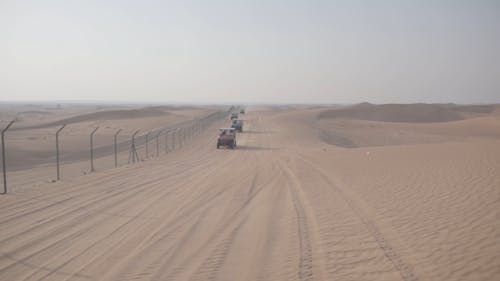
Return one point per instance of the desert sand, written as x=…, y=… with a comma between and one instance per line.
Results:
x=311, y=193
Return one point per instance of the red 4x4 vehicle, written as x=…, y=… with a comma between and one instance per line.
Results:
x=227, y=137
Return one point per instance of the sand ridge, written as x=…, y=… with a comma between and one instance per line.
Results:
x=101, y=115
x=407, y=113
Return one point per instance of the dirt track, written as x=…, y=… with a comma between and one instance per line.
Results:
x=280, y=207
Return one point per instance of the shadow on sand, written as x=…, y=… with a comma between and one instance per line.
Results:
x=247, y=147
x=258, y=132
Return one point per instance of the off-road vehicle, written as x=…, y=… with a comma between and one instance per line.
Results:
x=227, y=138
x=237, y=125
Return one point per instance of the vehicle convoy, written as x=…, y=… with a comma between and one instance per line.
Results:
x=227, y=138
x=237, y=125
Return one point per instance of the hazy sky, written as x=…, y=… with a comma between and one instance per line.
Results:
x=251, y=51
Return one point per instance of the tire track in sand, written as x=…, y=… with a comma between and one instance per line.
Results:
x=145, y=185
x=399, y=264
x=151, y=244
x=236, y=209
x=209, y=269
x=305, y=266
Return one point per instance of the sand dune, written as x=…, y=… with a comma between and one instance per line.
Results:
x=408, y=113
x=379, y=125
x=286, y=205
x=35, y=112
x=101, y=115
x=475, y=108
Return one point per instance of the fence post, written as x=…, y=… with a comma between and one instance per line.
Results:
x=116, y=150
x=3, y=157
x=166, y=141
x=194, y=128
x=57, y=150
x=147, y=144
x=180, y=137
x=158, y=144
x=173, y=138
x=92, y=149
x=133, y=151
x=191, y=130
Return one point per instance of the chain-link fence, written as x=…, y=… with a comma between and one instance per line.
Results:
x=72, y=152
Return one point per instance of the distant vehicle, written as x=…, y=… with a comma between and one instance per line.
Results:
x=237, y=125
x=227, y=137
x=242, y=111
x=234, y=116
